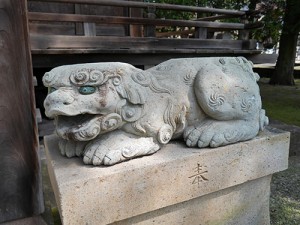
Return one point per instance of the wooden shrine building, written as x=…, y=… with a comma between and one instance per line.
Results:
x=76, y=31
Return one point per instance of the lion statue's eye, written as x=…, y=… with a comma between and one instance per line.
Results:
x=87, y=90
x=51, y=89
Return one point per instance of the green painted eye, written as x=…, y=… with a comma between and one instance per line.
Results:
x=87, y=90
x=51, y=89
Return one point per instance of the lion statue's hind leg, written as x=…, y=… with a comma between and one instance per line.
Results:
x=230, y=98
x=216, y=133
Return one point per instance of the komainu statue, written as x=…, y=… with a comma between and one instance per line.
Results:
x=111, y=112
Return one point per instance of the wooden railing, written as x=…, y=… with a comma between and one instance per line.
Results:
x=94, y=26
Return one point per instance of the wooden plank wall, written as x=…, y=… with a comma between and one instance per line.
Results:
x=20, y=190
x=69, y=28
x=110, y=29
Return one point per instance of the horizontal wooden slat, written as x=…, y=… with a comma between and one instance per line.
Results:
x=62, y=29
x=54, y=29
x=42, y=58
x=56, y=17
x=133, y=4
x=171, y=33
x=256, y=25
x=98, y=51
x=216, y=17
x=73, y=42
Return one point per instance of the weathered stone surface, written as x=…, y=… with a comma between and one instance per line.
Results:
x=112, y=112
x=175, y=178
x=244, y=204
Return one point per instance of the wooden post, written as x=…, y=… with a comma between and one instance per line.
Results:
x=89, y=29
x=150, y=29
x=243, y=34
x=78, y=26
x=20, y=186
x=201, y=33
x=136, y=30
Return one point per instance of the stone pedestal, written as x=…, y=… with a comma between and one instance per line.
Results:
x=177, y=185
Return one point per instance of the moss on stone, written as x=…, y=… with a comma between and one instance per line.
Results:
x=56, y=217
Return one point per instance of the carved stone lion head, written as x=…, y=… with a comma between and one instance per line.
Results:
x=91, y=99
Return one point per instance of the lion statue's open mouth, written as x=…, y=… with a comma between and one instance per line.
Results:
x=85, y=127
x=111, y=112
x=78, y=128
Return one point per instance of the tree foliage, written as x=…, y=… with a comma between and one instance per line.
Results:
x=272, y=17
x=271, y=14
x=276, y=15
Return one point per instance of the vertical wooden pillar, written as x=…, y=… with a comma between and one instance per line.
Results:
x=201, y=33
x=136, y=30
x=20, y=191
x=78, y=26
x=150, y=29
x=87, y=29
x=243, y=34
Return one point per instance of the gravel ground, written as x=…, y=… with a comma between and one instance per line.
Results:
x=285, y=186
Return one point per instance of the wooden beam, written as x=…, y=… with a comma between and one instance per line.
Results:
x=99, y=42
x=45, y=58
x=217, y=17
x=43, y=28
x=132, y=4
x=172, y=33
x=57, y=17
x=255, y=25
x=116, y=52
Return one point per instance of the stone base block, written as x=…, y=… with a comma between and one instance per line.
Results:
x=177, y=185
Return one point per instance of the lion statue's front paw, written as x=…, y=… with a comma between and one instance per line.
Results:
x=116, y=147
x=94, y=154
x=102, y=155
x=71, y=148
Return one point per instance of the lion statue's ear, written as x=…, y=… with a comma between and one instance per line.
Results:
x=132, y=94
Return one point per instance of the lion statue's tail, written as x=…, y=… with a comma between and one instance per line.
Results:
x=263, y=120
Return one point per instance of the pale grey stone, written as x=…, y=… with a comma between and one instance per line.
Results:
x=112, y=112
x=229, y=185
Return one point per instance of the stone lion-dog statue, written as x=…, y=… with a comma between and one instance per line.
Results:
x=111, y=112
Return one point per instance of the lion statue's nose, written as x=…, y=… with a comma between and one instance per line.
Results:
x=58, y=97
x=68, y=100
